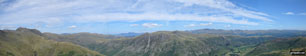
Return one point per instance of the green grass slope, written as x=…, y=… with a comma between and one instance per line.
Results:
x=279, y=47
x=174, y=43
x=29, y=42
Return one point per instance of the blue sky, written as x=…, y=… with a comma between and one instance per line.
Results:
x=121, y=16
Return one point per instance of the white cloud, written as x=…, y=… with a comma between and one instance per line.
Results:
x=55, y=11
x=228, y=26
x=157, y=16
x=72, y=26
x=48, y=26
x=227, y=6
x=196, y=25
x=302, y=13
x=244, y=26
x=190, y=25
x=151, y=25
x=289, y=13
x=134, y=25
x=206, y=24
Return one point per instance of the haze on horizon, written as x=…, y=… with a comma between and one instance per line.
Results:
x=121, y=16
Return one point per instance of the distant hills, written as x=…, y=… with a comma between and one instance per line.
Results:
x=129, y=34
x=274, y=33
x=202, y=42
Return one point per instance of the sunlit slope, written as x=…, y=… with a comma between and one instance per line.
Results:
x=84, y=39
x=176, y=43
x=279, y=47
x=29, y=42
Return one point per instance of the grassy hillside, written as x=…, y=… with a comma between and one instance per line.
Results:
x=279, y=47
x=186, y=43
x=176, y=43
x=29, y=42
x=83, y=39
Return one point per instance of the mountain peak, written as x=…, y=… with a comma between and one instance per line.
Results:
x=163, y=36
x=22, y=29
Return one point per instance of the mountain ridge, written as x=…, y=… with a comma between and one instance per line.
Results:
x=187, y=43
x=29, y=42
x=160, y=43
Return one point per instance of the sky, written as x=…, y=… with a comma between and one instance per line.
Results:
x=122, y=16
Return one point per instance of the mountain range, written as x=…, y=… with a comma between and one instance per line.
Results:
x=30, y=42
x=202, y=42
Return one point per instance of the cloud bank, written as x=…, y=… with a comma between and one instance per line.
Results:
x=57, y=11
